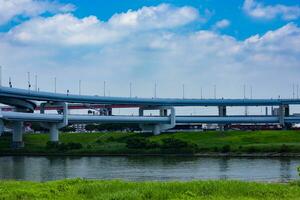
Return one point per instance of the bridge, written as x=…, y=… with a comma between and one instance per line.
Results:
x=23, y=104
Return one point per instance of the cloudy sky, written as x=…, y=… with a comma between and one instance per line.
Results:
x=199, y=43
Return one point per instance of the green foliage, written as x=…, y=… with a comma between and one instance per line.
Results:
x=168, y=143
x=71, y=189
x=226, y=148
x=63, y=146
x=173, y=143
x=141, y=143
x=298, y=169
x=284, y=148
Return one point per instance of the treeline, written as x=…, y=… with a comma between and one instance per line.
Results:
x=91, y=127
x=112, y=127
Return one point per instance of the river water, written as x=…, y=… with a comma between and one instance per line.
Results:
x=148, y=168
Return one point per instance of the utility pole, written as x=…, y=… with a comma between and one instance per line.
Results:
x=251, y=92
x=201, y=93
x=297, y=91
x=183, y=91
x=215, y=91
x=293, y=91
x=104, y=87
x=9, y=82
x=246, y=107
x=35, y=85
x=79, y=87
x=130, y=89
x=28, y=76
x=155, y=89
x=54, y=84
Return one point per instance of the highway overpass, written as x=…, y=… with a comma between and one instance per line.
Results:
x=25, y=102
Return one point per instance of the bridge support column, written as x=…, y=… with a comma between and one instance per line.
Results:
x=1, y=127
x=163, y=112
x=53, y=133
x=17, y=137
x=284, y=111
x=54, y=127
x=222, y=113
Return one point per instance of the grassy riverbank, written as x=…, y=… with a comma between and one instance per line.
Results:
x=115, y=189
x=234, y=142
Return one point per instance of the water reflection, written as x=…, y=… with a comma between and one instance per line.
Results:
x=147, y=168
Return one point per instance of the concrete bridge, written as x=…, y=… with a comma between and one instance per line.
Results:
x=24, y=102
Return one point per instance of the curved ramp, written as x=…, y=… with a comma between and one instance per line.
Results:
x=23, y=104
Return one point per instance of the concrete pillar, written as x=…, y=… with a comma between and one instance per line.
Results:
x=156, y=130
x=54, y=127
x=1, y=127
x=17, y=137
x=163, y=111
x=53, y=133
x=284, y=111
x=222, y=113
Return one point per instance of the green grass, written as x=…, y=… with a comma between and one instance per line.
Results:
x=117, y=189
x=202, y=142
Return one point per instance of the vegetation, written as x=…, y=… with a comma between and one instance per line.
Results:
x=236, y=142
x=116, y=189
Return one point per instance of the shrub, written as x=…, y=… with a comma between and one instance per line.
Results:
x=63, y=146
x=284, y=148
x=74, y=145
x=252, y=149
x=173, y=143
x=298, y=169
x=52, y=145
x=226, y=148
x=136, y=142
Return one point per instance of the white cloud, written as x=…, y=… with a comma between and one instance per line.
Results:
x=9, y=9
x=66, y=29
x=259, y=10
x=93, y=51
x=224, y=23
x=162, y=16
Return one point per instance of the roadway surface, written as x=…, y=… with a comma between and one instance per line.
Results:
x=71, y=98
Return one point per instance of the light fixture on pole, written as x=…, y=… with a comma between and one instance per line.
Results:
x=54, y=84
x=28, y=78
x=79, y=87
x=183, y=88
x=35, y=85
x=104, y=87
x=9, y=82
x=130, y=89
x=155, y=85
x=215, y=91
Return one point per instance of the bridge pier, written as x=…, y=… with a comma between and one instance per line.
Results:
x=284, y=111
x=1, y=127
x=222, y=113
x=163, y=112
x=17, y=137
x=54, y=127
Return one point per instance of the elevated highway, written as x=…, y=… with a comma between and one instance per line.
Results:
x=59, y=97
x=26, y=101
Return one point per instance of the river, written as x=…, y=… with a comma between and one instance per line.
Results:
x=148, y=168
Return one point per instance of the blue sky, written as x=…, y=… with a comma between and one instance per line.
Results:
x=242, y=26
x=197, y=43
